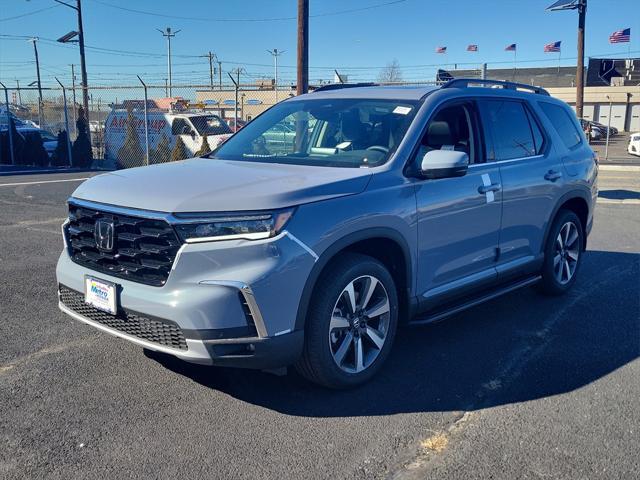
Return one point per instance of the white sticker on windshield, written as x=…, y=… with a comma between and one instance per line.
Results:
x=401, y=110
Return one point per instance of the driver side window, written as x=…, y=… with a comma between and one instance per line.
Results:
x=180, y=126
x=451, y=128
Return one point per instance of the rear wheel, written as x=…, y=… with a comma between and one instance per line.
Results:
x=563, y=254
x=351, y=322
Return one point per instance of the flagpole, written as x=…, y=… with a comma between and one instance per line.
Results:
x=559, y=55
x=515, y=62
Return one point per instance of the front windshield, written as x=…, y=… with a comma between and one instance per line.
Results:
x=324, y=132
x=210, y=125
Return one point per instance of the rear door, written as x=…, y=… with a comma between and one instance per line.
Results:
x=531, y=173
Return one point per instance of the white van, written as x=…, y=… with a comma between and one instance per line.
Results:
x=191, y=127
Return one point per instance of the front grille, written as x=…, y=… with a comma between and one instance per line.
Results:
x=143, y=250
x=152, y=330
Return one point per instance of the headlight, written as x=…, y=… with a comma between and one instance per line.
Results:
x=208, y=228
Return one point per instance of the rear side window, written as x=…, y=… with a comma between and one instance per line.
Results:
x=563, y=123
x=511, y=130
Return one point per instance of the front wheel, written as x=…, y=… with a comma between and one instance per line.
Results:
x=563, y=254
x=351, y=322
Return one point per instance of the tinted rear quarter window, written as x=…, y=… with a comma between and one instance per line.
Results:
x=510, y=130
x=561, y=120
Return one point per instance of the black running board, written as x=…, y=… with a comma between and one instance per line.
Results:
x=438, y=315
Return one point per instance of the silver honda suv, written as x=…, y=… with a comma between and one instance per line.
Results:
x=330, y=219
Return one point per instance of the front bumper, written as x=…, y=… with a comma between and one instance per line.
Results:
x=235, y=302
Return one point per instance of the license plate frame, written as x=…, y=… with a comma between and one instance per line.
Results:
x=101, y=294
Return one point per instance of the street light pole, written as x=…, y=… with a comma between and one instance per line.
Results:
x=169, y=34
x=606, y=148
x=275, y=53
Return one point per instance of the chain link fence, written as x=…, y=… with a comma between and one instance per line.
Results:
x=127, y=126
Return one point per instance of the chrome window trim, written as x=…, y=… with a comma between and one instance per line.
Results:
x=510, y=160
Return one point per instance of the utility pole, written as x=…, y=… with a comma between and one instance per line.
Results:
x=210, y=55
x=581, y=6
x=19, y=94
x=83, y=67
x=275, y=53
x=582, y=13
x=169, y=34
x=83, y=63
x=303, y=47
x=73, y=90
x=35, y=50
x=219, y=73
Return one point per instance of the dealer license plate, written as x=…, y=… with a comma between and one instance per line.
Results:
x=100, y=294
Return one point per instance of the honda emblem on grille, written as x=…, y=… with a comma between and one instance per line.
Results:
x=104, y=234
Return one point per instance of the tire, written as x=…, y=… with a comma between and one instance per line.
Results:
x=562, y=254
x=343, y=348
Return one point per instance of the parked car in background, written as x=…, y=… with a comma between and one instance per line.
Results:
x=592, y=131
x=597, y=129
x=613, y=130
x=634, y=144
x=49, y=140
x=233, y=125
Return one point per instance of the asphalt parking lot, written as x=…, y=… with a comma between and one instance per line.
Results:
x=522, y=387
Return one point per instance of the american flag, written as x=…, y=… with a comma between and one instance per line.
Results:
x=472, y=48
x=552, y=47
x=621, y=36
x=510, y=48
x=441, y=49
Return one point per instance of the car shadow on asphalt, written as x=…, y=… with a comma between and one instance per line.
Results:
x=520, y=347
x=619, y=194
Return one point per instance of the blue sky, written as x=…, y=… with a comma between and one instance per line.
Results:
x=358, y=43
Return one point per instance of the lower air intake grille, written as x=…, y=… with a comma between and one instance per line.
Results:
x=149, y=329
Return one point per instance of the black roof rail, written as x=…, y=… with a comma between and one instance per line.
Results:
x=338, y=86
x=466, y=82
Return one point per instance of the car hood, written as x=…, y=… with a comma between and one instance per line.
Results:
x=201, y=184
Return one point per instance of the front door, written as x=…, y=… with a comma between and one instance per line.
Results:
x=458, y=217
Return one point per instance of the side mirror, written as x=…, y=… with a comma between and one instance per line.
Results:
x=444, y=164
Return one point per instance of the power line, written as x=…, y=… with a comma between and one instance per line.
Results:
x=273, y=19
x=28, y=13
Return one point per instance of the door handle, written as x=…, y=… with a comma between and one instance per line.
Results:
x=552, y=175
x=494, y=187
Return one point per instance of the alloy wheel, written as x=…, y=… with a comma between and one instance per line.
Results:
x=359, y=324
x=567, y=252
